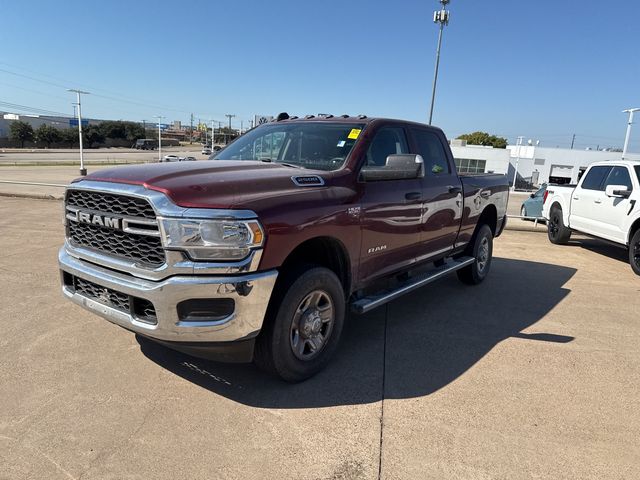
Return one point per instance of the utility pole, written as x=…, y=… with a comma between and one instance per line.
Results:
x=229, y=117
x=191, y=131
x=159, y=117
x=213, y=137
x=441, y=17
x=515, y=173
x=241, y=126
x=144, y=128
x=630, y=111
x=83, y=171
x=573, y=140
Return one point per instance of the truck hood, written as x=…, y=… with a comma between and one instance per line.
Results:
x=217, y=183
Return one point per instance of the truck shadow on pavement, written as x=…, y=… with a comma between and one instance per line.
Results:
x=414, y=346
x=601, y=248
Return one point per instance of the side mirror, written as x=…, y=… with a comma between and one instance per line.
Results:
x=617, y=191
x=533, y=195
x=397, y=167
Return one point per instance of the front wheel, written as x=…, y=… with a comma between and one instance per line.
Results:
x=302, y=331
x=634, y=253
x=482, y=252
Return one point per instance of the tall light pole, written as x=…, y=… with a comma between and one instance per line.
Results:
x=213, y=136
x=630, y=111
x=515, y=173
x=159, y=117
x=442, y=17
x=83, y=171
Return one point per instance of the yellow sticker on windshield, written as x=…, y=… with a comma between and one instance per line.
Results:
x=354, y=133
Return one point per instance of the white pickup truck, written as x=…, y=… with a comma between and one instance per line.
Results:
x=603, y=205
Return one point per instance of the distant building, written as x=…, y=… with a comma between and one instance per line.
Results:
x=536, y=165
x=6, y=118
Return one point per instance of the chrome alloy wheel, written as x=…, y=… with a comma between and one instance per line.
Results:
x=483, y=254
x=312, y=325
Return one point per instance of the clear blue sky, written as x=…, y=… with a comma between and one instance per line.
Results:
x=541, y=69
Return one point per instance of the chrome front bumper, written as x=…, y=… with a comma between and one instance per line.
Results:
x=250, y=291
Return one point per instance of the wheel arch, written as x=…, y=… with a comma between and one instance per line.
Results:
x=325, y=251
x=635, y=226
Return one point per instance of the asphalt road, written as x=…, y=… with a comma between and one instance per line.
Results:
x=533, y=374
x=92, y=156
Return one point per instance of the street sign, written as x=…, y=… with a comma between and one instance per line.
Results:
x=73, y=122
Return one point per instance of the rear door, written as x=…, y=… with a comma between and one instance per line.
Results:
x=588, y=195
x=611, y=213
x=442, y=194
x=390, y=211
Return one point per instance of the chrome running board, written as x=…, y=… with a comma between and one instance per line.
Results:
x=366, y=304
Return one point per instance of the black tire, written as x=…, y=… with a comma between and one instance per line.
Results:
x=482, y=251
x=557, y=231
x=296, y=342
x=634, y=252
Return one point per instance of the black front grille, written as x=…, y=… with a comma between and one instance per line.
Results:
x=139, y=308
x=103, y=295
x=110, y=203
x=143, y=249
x=140, y=248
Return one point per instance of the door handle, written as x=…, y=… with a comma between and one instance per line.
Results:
x=455, y=190
x=576, y=198
x=413, y=196
x=597, y=201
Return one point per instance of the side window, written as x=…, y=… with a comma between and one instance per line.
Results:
x=595, y=178
x=432, y=151
x=388, y=141
x=619, y=176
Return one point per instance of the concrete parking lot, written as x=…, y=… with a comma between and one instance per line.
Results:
x=533, y=374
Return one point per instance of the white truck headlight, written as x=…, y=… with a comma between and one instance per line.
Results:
x=217, y=239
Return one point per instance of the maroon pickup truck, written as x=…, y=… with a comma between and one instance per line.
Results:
x=258, y=253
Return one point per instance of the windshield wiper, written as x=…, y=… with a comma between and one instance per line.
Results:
x=290, y=165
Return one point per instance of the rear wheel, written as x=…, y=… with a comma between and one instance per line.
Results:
x=482, y=251
x=302, y=331
x=634, y=252
x=556, y=230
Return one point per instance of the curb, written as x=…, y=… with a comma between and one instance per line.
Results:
x=34, y=196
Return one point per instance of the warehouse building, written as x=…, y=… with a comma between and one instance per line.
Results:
x=535, y=165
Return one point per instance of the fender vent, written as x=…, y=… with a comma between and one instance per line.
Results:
x=308, y=181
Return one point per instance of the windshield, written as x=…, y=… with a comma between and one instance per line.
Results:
x=321, y=146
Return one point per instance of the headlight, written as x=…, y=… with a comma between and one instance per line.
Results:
x=212, y=239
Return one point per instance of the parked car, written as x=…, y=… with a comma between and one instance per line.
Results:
x=241, y=259
x=603, y=205
x=188, y=159
x=206, y=150
x=170, y=158
x=532, y=206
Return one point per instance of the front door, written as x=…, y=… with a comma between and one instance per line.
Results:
x=391, y=211
x=612, y=211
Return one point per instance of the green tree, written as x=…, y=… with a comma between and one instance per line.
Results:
x=21, y=132
x=69, y=136
x=47, y=134
x=112, y=129
x=133, y=131
x=92, y=134
x=483, y=138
